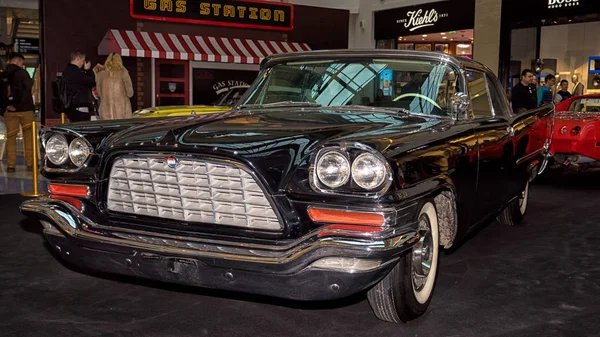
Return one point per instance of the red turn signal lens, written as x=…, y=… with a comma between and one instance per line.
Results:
x=344, y=217
x=70, y=190
x=74, y=202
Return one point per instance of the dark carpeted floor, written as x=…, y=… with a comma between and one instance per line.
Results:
x=537, y=280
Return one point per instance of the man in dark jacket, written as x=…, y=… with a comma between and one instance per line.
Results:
x=524, y=95
x=80, y=80
x=19, y=111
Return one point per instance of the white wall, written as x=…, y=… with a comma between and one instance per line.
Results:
x=571, y=45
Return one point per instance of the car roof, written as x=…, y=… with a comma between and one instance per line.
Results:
x=373, y=53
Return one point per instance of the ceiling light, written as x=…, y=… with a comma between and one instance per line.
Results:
x=424, y=35
x=443, y=33
x=463, y=45
x=451, y=39
x=444, y=37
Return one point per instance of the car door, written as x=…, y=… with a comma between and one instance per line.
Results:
x=494, y=132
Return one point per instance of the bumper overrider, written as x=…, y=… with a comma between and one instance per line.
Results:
x=327, y=263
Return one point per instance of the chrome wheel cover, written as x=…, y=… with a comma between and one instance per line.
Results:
x=523, y=199
x=422, y=254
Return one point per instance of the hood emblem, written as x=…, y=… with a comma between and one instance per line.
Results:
x=172, y=162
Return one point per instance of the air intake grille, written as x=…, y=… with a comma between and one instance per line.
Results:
x=193, y=191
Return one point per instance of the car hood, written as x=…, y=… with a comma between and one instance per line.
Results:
x=274, y=143
x=249, y=133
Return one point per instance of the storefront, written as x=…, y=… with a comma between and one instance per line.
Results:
x=558, y=37
x=445, y=26
x=181, y=52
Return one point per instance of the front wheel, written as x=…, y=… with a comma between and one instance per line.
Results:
x=514, y=213
x=405, y=293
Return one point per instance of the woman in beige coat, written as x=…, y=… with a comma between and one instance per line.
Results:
x=114, y=89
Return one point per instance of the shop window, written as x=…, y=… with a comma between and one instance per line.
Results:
x=172, y=82
x=172, y=70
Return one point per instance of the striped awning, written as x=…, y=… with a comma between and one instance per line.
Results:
x=193, y=48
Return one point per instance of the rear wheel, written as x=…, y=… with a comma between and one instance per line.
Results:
x=405, y=293
x=514, y=213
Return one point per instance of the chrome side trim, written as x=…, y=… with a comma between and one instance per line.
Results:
x=529, y=156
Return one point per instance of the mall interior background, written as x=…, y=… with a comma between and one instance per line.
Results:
x=564, y=38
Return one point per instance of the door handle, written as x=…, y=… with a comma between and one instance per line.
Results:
x=510, y=130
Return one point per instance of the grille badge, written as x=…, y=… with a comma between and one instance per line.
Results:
x=172, y=162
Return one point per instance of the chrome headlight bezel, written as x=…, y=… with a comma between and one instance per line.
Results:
x=62, y=139
x=86, y=146
x=381, y=166
x=350, y=151
x=343, y=169
x=71, y=164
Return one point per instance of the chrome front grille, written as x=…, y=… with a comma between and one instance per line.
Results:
x=193, y=191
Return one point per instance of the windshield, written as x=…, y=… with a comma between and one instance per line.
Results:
x=418, y=86
x=585, y=105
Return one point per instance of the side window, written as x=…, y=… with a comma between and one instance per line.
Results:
x=499, y=108
x=479, y=95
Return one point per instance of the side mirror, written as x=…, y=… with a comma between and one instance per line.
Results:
x=459, y=105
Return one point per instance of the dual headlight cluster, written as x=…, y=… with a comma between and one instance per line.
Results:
x=59, y=151
x=351, y=170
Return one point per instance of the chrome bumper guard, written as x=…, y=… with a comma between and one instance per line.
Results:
x=314, y=267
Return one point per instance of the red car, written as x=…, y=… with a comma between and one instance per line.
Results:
x=576, y=139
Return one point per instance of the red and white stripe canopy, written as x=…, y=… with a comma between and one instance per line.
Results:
x=193, y=48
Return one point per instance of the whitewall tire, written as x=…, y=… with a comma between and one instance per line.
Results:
x=405, y=293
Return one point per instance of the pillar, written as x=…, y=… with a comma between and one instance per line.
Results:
x=488, y=15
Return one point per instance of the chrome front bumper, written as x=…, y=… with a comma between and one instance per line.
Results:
x=300, y=270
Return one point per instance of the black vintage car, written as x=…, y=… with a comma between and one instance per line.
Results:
x=339, y=172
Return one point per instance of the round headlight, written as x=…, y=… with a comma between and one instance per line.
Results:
x=333, y=169
x=57, y=149
x=368, y=171
x=79, y=151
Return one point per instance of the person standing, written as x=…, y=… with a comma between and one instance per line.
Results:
x=524, y=95
x=80, y=80
x=578, y=87
x=563, y=93
x=19, y=111
x=114, y=89
x=545, y=92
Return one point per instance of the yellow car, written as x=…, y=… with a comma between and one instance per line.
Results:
x=179, y=110
x=223, y=103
